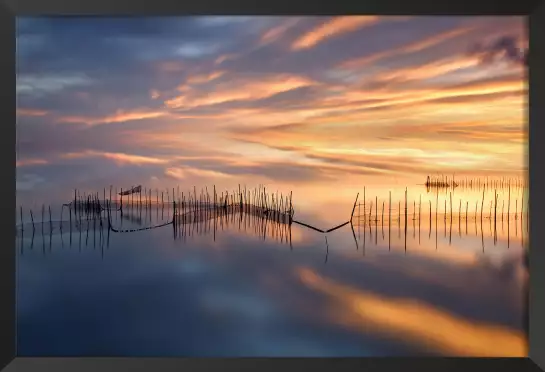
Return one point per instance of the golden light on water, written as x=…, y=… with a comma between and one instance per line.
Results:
x=411, y=321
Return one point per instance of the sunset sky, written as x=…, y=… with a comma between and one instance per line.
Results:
x=285, y=100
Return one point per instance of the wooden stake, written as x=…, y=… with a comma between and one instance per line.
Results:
x=509, y=201
x=482, y=206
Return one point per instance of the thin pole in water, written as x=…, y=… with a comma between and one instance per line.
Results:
x=482, y=206
x=364, y=208
x=509, y=201
x=467, y=207
x=405, y=219
x=430, y=214
x=376, y=209
x=460, y=212
x=522, y=206
x=389, y=219
x=450, y=194
x=419, y=209
x=495, y=208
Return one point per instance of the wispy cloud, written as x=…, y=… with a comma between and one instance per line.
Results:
x=412, y=47
x=243, y=89
x=180, y=173
x=508, y=48
x=31, y=112
x=429, y=70
x=29, y=162
x=276, y=32
x=389, y=317
x=205, y=78
x=278, y=99
x=336, y=26
x=119, y=158
x=119, y=117
x=43, y=84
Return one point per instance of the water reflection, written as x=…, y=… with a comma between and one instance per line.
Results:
x=240, y=284
x=406, y=318
x=502, y=228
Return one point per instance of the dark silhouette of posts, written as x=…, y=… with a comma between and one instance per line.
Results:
x=467, y=207
x=482, y=206
x=43, y=213
x=382, y=220
x=450, y=194
x=430, y=215
x=509, y=202
x=389, y=219
x=353, y=208
x=460, y=212
x=419, y=210
x=405, y=219
x=364, y=208
x=522, y=206
x=376, y=209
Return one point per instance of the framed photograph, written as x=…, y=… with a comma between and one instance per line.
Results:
x=244, y=186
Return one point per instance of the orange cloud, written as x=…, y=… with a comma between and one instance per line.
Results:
x=335, y=27
x=430, y=70
x=388, y=98
x=243, y=90
x=29, y=162
x=515, y=85
x=182, y=173
x=415, y=322
x=434, y=40
x=365, y=61
x=119, y=158
x=485, y=100
x=411, y=146
x=277, y=32
x=119, y=117
x=31, y=112
x=413, y=47
x=205, y=78
x=224, y=58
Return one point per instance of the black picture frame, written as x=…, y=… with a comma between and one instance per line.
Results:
x=10, y=9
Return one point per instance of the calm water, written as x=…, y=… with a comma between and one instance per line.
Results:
x=445, y=282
